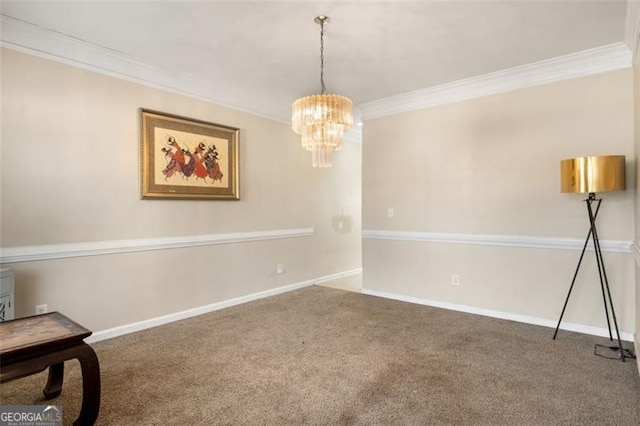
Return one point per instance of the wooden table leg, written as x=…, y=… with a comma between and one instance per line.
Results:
x=30, y=354
x=90, y=385
x=54, y=383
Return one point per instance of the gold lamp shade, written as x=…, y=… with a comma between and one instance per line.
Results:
x=604, y=173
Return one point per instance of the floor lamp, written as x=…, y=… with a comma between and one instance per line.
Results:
x=592, y=175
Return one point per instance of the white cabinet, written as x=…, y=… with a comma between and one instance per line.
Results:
x=6, y=295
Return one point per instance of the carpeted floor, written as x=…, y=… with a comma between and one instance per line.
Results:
x=325, y=356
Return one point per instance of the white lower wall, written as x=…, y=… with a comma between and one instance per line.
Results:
x=177, y=316
x=522, y=282
x=102, y=292
x=596, y=331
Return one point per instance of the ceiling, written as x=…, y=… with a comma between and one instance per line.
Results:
x=261, y=55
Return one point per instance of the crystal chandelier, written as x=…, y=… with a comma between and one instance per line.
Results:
x=321, y=120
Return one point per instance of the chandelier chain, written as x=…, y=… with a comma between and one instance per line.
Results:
x=322, y=86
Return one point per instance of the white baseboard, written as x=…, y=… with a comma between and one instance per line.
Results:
x=166, y=319
x=637, y=345
x=338, y=276
x=580, y=328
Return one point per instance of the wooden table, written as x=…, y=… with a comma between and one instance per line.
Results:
x=30, y=345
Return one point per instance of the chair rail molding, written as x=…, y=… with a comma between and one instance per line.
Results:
x=35, y=40
x=66, y=250
x=635, y=251
x=498, y=240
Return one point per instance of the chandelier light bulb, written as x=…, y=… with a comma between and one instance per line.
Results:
x=321, y=120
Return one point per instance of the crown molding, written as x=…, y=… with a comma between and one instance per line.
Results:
x=42, y=42
x=39, y=41
x=593, y=61
x=632, y=28
x=354, y=135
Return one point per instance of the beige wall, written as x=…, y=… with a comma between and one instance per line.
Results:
x=490, y=166
x=636, y=75
x=70, y=173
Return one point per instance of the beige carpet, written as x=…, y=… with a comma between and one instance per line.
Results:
x=325, y=356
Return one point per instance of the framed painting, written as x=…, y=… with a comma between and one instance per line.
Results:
x=183, y=158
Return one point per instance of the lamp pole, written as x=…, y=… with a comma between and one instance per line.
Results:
x=602, y=273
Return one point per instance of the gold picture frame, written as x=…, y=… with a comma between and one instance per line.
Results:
x=184, y=158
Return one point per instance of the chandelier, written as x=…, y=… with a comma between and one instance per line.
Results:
x=321, y=120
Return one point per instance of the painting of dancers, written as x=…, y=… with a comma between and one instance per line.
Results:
x=184, y=158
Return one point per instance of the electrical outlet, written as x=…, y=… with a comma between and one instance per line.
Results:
x=390, y=212
x=455, y=279
x=279, y=269
x=41, y=309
